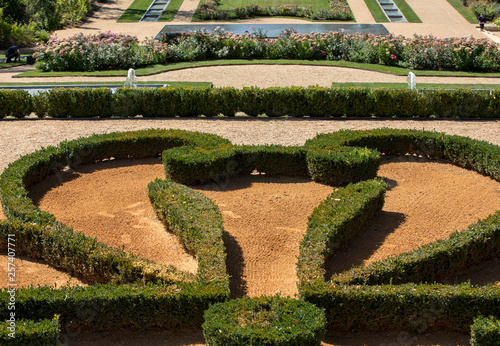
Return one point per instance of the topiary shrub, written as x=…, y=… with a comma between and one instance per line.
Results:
x=27, y=332
x=485, y=331
x=264, y=321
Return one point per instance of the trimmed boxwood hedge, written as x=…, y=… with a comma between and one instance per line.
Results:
x=378, y=306
x=27, y=332
x=197, y=223
x=193, y=165
x=313, y=101
x=334, y=223
x=173, y=298
x=389, y=306
x=271, y=321
x=485, y=331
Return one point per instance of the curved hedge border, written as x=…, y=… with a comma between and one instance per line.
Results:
x=264, y=321
x=197, y=223
x=46, y=238
x=373, y=307
x=274, y=102
x=416, y=307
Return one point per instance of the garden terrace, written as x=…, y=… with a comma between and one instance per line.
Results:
x=465, y=152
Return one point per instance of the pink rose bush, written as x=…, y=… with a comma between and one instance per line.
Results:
x=111, y=51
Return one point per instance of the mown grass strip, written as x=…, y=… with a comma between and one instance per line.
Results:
x=407, y=11
x=171, y=10
x=376, y=11
x=155, y=69
x=170, y=84
x=135, y=11
x=464, y=11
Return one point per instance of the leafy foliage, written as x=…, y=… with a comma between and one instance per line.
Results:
x=264, y=321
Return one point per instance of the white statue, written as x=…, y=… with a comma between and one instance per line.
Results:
x=412, y=81
x=131, y=81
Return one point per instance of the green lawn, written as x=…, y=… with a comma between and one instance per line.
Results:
x=464, y=11
x=315, y=4
x=407, y=11
x=172, y=84
x=11, y=64
x=380, y=17
x=376, y=11
x=155, y=69
x=170, y=11
x=135, y=11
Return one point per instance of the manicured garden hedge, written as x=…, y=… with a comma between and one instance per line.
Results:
x=181, y=300
x=197, y=223
x=334, y=223
x=108, y=306
x=270, y=321
x=27, y=332
x=415, y=308
x=194, y=165
x=273, y=102
x=485, y=331
x=382, y=304
x=172, y=299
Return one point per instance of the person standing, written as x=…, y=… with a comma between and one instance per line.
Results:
x=13, y=52
x=482, y=20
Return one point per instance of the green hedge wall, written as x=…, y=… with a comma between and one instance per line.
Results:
x=368, y=297
x=313, y=101
x=172, y=299
x=83, y=256
x=194, y=165
x=109, y=306
x=197, y=223
x=181, y=301
x=442, y=258
x=264, y=321
x=485, y=331
x=57, y=243
x=411, y=307
x=334, y=223
x=28, y=332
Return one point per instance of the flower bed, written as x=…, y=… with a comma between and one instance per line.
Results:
x=109, y=51
x=339, y=10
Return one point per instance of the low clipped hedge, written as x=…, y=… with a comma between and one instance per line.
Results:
x=83, y=256
x=346, y=299
x=172, y=299
x=194, y=165
x=313, y=101
x=485, y=331
x=197, y=223
x=411, y=307
x=334, y=223
x=343, y=165
x=103, y=307
x=27, y=332
x=440, y=259
x=264, y=321
x=368, y=297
